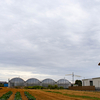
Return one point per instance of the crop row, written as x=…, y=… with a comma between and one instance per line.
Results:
x=29, y=96
x=18, y=96
x=6, y=96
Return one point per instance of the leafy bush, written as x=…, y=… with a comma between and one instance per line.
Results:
x=54, y=87
x=34, y=87
x=78, y=82
x=29, y=96
x=1, y=85
x=61, y=87
x=50, y=87
x=6, y=96
x=17, y=96
x=41, y=87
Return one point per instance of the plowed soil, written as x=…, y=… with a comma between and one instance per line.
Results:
x=43, y=95
x=21, y=92
x=80, y=93
x=3, y=91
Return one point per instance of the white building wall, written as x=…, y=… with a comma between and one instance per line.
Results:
x=96, y=83
x=86, y=83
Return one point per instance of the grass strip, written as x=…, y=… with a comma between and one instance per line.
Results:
x=54, y=92
x=76, y=96
x=85, y=97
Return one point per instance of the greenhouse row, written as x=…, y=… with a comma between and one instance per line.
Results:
x=35, y=82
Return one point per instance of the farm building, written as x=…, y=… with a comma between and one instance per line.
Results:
x=35, y=82
x=92, y=82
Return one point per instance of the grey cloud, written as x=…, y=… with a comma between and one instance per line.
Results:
x=50, y=37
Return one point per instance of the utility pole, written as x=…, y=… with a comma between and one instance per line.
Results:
x=73, y=76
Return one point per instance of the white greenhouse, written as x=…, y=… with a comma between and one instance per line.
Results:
x=16, y=82
x=47, y=82
x=63, y=83
x=32, y=82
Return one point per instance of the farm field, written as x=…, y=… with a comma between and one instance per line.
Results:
x=47, y=94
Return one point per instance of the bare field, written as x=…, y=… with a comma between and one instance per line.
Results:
x=80, y=93
x=53, y=94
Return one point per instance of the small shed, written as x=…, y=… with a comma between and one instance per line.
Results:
x=6, y=84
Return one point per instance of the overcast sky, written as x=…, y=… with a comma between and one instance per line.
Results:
x=49, y=39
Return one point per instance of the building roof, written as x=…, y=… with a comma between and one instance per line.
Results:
x=96, y=78
x=91, y=78
x=3, y=82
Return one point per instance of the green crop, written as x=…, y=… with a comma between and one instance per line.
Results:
x=29, y=96
x=17, y=96
x=6, y=96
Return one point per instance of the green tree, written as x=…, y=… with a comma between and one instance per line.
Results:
x=1, y=85
x=78, y=82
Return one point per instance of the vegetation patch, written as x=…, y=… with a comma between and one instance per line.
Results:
x=87, y=97
x=41, y=87
x=34, y=87
x=18, y=96
x=6, y=96
x=54, y=92
x=1, y=85
x=29, y=96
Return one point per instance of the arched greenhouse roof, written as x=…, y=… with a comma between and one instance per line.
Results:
x=32, y=80
x=19, y=80
x=63, y=81
x=48, y=80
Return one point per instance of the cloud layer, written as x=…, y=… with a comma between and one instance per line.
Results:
x=49, y=38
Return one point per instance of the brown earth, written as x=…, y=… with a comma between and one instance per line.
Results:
x=42, y=95
x=81, y=93
x=13, y=95
x=3, y=91
x=21, y=92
